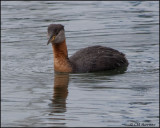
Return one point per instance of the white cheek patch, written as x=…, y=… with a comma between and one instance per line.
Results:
x=60, y=37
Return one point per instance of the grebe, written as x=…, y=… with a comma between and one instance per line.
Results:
x=90, y=59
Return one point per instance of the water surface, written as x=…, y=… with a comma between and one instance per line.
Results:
x=32, y=95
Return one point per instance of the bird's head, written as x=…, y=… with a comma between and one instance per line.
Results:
x=56, y=33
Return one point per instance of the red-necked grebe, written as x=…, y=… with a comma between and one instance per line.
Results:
x=90, y=59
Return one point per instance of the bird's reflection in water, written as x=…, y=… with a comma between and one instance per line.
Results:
x=60, y=93
x=60, y=87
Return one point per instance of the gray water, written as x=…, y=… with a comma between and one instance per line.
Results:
x=32, y=95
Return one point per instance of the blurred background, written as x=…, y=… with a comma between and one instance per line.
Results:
x=32, y=95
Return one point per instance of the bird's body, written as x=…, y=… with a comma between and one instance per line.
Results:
x=97, y=58
x=90, y=59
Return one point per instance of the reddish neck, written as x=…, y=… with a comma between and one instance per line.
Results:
x=61, y=61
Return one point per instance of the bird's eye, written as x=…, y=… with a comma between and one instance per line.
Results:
x=56, y=32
